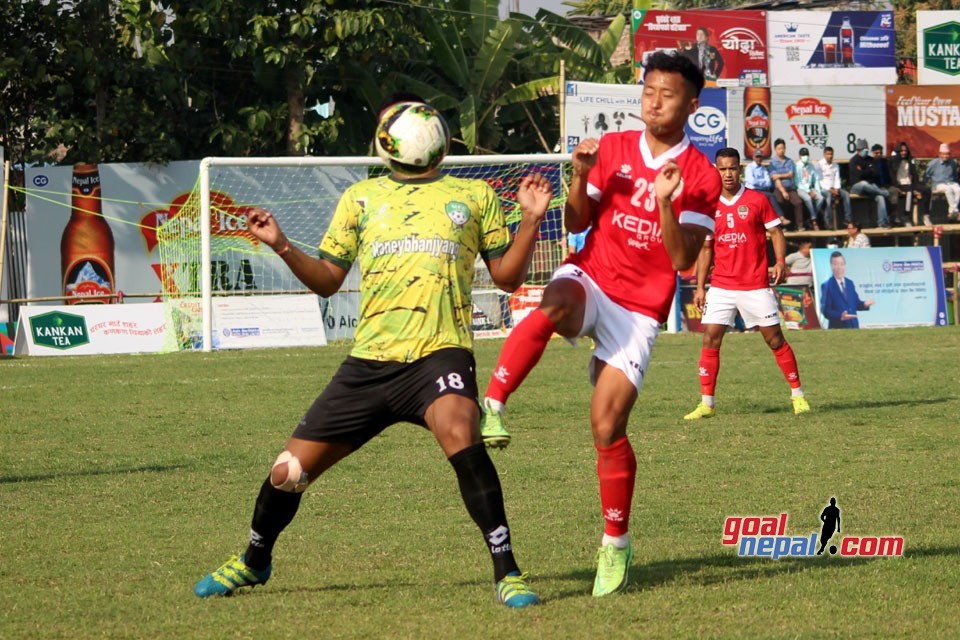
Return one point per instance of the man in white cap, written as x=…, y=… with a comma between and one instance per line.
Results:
x=942, y=173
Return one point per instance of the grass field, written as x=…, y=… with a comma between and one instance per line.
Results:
x=124, y=479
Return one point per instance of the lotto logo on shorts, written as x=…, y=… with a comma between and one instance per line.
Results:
x=767, y=537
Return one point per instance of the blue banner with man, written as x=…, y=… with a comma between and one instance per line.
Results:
x=879, y=287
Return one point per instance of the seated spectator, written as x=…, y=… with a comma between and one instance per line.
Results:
x=863, y=181
x=942, y=173
x=856, y=239
x=906, y=180
x=782, y=171
x=808, y=187
x=885, y=181
x=800, y=266
x=757, y=177
x=830, y=186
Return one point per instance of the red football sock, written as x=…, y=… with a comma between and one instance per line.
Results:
x=788, y=364
x=617, y=470
x=709, y=370
x=520, y=354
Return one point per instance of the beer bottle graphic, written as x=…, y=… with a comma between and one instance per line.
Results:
x=846, y=43
x=756, y=121
x=86, y=247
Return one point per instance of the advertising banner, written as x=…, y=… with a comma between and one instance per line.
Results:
x=831, y=47
x=593, y=109
x=924, y=117
x=132, y=198
x=938, y=47
x=879, y=287
x=245, y=322
x=728, y=46
x=812, y=117
x=90, y=329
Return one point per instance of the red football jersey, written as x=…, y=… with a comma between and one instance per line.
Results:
x=624, y=252
x=740, y=241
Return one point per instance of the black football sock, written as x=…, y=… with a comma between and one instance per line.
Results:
x=274, y=510
x=483, y=497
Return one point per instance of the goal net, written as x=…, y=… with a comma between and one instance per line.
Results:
x=206, y=251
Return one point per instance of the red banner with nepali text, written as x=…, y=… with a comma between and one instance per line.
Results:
x=730, y=47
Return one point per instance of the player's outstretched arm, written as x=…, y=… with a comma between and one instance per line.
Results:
x=682, y=241
x=510, y=270
x=321, y=276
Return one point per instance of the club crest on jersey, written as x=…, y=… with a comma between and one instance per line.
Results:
x=625, y=171
x=458, y=212
x=743, y=211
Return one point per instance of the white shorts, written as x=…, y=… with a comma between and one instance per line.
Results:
x=757, y=307
x=622, y=338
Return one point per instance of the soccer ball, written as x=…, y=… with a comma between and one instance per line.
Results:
x=412, y=137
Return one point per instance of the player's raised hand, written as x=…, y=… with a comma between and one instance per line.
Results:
x=668, y=180
x=584, y=156
x=534, y=197
x=264, y=227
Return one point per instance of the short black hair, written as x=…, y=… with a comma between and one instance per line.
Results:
x=876, y=147
x=672, y=63
x=830, y=149
x=778, y=142
x=397, y=97
x=728, y=152
x=837, y=254
x=855, y=225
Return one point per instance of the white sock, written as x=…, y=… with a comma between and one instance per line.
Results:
x=797, y=392
x=707, y=400
x=620, y=542
x=493, y=405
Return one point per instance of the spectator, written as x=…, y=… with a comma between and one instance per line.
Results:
x=885, y=181
x=863, y=178
x=830, y=186
x=942, y=173
x=757, y=177
x=808, y=187
x=782, y=170
x=856, y=239
x=907, y=182
x=800, y=266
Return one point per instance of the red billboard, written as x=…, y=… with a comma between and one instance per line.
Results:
x=730, y=47
x=924, y=118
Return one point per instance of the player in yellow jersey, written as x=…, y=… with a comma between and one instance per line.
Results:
x=416, y=234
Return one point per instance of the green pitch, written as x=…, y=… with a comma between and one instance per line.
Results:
x=123, y=480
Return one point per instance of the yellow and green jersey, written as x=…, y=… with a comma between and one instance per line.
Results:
x=417, y=243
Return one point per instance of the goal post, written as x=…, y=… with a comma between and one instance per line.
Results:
x=206, y=250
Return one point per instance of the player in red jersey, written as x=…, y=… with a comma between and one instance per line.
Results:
x=738, y=247
x=648, y=198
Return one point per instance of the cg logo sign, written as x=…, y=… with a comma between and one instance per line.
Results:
x=41, y=181
x=708, y=121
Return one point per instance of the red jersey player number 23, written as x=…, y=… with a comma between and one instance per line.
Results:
x=622, y=182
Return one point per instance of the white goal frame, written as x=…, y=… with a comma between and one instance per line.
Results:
x=206, y=271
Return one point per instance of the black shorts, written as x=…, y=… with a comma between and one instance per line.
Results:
x=367, y=396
